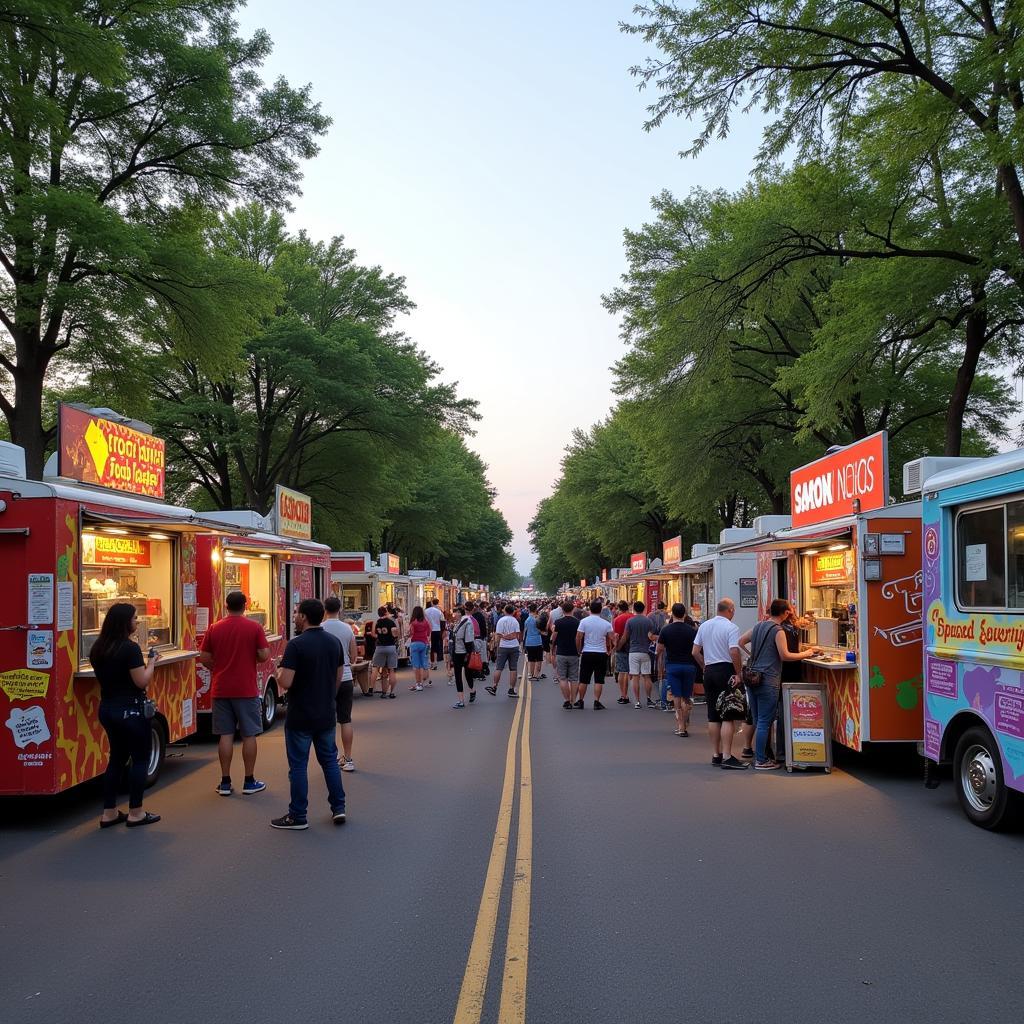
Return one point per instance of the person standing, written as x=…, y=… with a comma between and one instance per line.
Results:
x=482, y=630
x=346, y=636
x=716, y=649
x=419, y=647
x=636, y=641
x=769, y=651
x=385, y=656
x=123, y=675
x=557, y=611
x=659, y=617
x=460, y=647
x=508, y=634
x=566, y=654
x=594, y=643
x=231, y=649
x=533, y=641
x=679, y=670
x=310, y=674
x=369, y=650
x=621, y=656
x=436, y=619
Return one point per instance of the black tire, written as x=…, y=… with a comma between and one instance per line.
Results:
x=158, y=751
x=980, y=787
x=269, y=709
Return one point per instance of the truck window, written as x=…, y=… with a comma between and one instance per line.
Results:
x=252, y=572
x=981, y=557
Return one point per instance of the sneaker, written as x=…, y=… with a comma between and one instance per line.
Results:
x=338, y=817
x=383, y=696
x=639, y=706
x=458, y=704
x=668, y=707
x=747, y=754
x=734, y=764
x=622, y=700
x=391, y=696
x=492, y=690
x=598, y=706
x=287, y=821
x=765, y=766
x=512, y=693
x=472, y=696
x=651, y=705
x=253, y=787
x=716, y=761
x=417, y=687
x=567, y=705
x=224, y=789
x=543, y=675
x=579, y=705
x=349, y=765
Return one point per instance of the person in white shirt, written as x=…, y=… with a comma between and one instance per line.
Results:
x=594, y=641
x=508, y=631
x=553, y=617
x=716, y=650
x=435, y=617
x=346, y=635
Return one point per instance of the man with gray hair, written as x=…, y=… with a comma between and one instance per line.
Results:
x=716, y=649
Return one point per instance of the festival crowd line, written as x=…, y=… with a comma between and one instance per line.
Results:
x=655, y=662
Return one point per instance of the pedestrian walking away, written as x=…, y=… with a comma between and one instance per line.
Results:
x=123, y=675
x=533, y=642
x=346, y=636
x=310, y=673
x=594, y=643
x=508, y=632
x=231, y=649
x=419, y=647
x=436, y=619
x=769, y=650
x=636, y=641
x=675, y=651
x=622, y=656
x=385, y=656
x=716, y=649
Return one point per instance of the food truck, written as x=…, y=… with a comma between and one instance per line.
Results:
x=973, y=601
x=93, y=532
x=274, y=563
x=363, y=586
x=850, y=564
x=433, y=587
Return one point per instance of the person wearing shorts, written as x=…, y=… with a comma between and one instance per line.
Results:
x=565, y=653
x=637, y=642
x=533, y=641
x=508, y=632
x=622, y=657
x=231, y=649
x=436, y=619
x=385, y=657
x=716, y=649
x=419, y=647
x=594, y=643
x=675, y=651
x=346, y=636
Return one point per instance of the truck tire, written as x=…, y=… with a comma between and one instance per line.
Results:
x=269, y=705
x=157, y=750
x=978, y=777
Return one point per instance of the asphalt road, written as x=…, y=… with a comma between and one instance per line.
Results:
x=660, y=889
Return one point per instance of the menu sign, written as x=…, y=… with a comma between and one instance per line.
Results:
x=638, y=562
x=100, y=549
x=394, y=565
x=293, y=513
x=807, y=724
x=831, y=568
x=96, y=451
x=672, y=551
x=856, y=478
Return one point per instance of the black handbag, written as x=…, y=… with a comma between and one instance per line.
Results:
x=732, y=704
x=750, y=677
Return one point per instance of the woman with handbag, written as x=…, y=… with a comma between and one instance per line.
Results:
x=123, y=676
x=463, y=651
x=762, y=675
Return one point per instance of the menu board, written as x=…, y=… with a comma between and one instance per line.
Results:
x=808, y=734
x=832, y=568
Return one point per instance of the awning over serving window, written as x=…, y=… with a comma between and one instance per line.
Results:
x=793, y=539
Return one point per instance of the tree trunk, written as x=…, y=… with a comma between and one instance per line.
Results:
x=26, y=423
x=974, y=342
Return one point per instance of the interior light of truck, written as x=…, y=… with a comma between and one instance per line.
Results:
x=114, y=529
x=159, y=536
x=837, y=547
x=235, y=560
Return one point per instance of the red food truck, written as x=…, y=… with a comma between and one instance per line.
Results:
x=93, y=532
x=275, y=573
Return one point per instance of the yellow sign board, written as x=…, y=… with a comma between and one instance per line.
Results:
x=24, y=684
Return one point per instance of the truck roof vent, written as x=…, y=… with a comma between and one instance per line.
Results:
x=12, y=460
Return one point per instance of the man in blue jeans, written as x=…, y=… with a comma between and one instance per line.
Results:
x=310, y=673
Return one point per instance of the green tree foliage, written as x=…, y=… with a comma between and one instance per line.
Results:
x=116, y=124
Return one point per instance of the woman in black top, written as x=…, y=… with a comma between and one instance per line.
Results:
x=123, y=676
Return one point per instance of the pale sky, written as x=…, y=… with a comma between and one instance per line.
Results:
x=492, y=154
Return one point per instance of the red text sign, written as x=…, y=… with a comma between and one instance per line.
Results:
x=394, y=564
x=672, y=551
x=96, y=451
x=832, y=567
x=98, y=549
x=851, y=480
x=638, y=562
x=294, y=513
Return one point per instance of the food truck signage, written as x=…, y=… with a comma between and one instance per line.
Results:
x=100, y=452
x=672, y=551
x=293, y=512
x=855, y=479
x=604, y=575
x=831, y=567
x=638, y=562
x=394, y=565
x=99, y=549
x=806, y=719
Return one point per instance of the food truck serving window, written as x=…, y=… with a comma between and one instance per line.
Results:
x=355, y=597
x=252, y=572
x=120, y=565
x=990, y=556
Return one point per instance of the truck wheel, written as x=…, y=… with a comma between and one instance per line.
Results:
x=157, y=750
x=978, y=776
x=269, y=710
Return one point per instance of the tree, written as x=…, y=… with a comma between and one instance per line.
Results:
x=116, y=124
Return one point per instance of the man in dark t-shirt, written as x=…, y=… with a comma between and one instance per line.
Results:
x=310, y=673
x=385, y=655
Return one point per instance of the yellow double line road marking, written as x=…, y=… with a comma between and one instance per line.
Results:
x=512, y=1008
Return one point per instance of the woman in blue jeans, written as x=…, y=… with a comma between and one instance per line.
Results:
x=767, y=647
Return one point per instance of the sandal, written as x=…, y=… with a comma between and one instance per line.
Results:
x=119, y=820
x=149, y=819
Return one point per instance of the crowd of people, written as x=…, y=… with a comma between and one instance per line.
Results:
x=656, y=661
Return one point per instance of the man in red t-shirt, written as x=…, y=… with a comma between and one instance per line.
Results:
x=232, y=648
x=621, y=659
